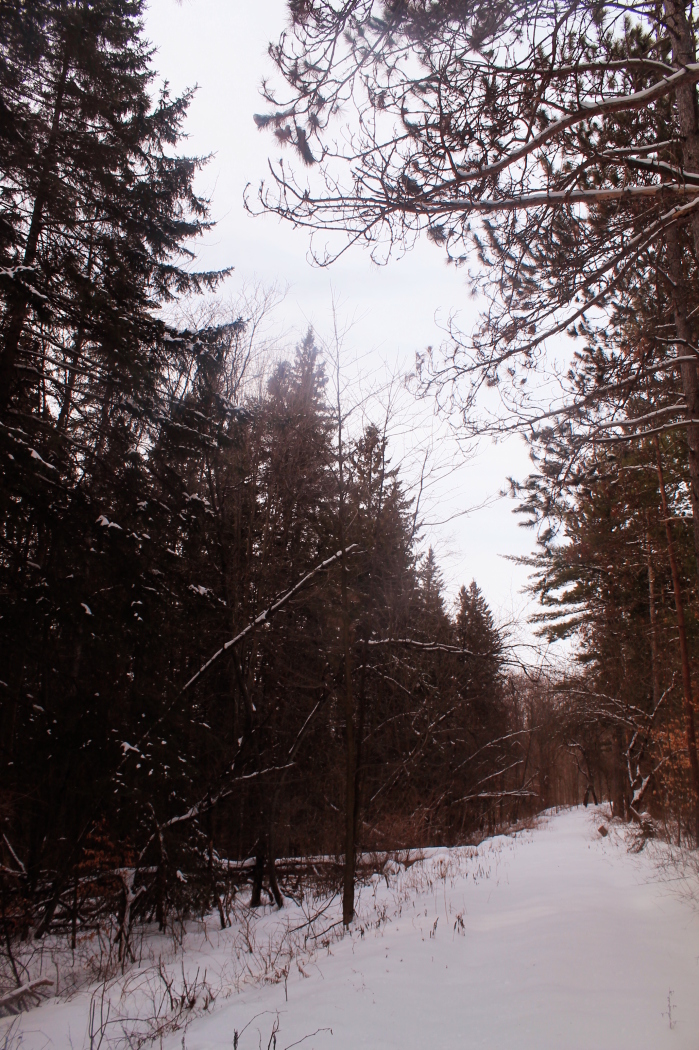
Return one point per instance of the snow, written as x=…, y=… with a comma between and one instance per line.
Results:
x=557, y=937
x=35, y=455
x=104, y=521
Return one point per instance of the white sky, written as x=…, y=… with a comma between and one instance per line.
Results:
x=221, y=46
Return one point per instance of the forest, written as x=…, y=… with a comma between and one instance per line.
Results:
x=227, y=654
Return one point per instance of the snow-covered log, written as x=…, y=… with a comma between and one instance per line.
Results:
x=14, y=1001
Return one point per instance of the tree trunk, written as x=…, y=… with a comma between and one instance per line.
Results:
x=618, y=800
x=211, y=893
x=690, y=731
x=361, y=718
x=258, y=874
x=351, y=767
x=654, y=649
x=350, y=728
x=161, y=884
x=688, y=373
x=272, y=873
x=74, y=914
x=683, y=53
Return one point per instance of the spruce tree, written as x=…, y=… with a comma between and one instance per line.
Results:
x=97, y=210
x=98, y=213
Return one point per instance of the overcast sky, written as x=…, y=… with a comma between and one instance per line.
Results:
x=221, y=45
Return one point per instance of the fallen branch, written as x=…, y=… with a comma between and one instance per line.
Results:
x=13, y=999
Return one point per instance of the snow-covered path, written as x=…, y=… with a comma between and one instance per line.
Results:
x=558, y=938
x=568, y=941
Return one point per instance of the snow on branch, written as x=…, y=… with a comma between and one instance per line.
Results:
x=689, y=74
x=13, y=1000
x=427, y=647
x=634, y=247
x=500, y=794
x=268, y=613
x=209, y=801
x=20, y=866
x=204, y=805
x=645, y=433
x=498, y=740
x=634, y=421
x=637, y=782
x=640, y=790
x=550, y=198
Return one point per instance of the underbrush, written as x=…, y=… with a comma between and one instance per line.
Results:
x=175, y=976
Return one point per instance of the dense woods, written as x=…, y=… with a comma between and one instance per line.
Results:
x=222, y=644
x=557, y=146
x=158, y=499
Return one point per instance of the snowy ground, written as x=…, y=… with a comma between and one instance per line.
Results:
x=556, y=938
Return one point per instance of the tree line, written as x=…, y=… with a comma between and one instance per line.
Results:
x=556, y=146
x=221, y=645
x=222, y=649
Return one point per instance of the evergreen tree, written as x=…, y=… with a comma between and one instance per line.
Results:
x=97, y=219
x=98, y=212
x=482, y=683
x=432, y=586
